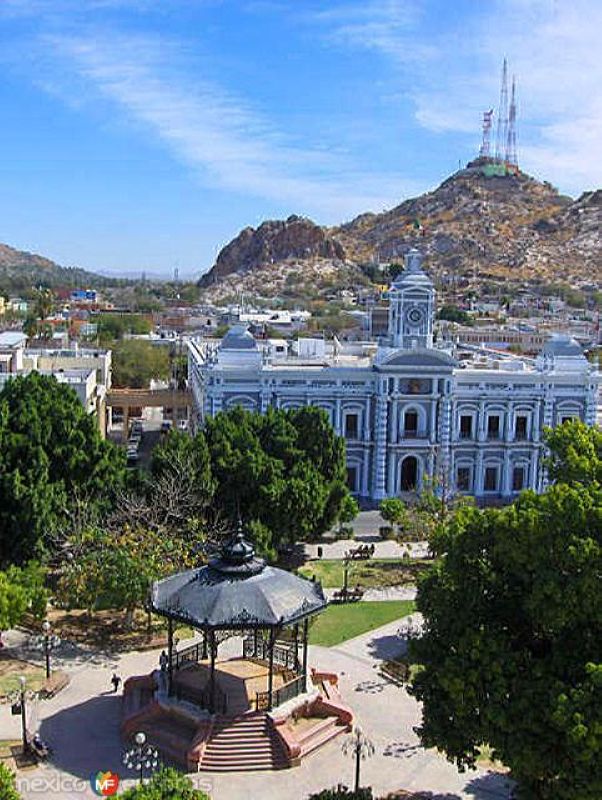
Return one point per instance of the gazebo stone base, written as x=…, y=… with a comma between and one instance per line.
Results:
x=249, y=741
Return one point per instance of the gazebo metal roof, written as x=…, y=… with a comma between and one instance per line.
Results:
x=237, y=590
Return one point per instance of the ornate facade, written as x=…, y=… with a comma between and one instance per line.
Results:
x=407, y=408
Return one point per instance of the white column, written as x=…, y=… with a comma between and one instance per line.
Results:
x=391, y=476
x=505, y=487
x=510, y=422
x=365, y=468
x=380, y=450
x=536, y=422
x=481, y=422
x=367, y=421
x=478, y=477
x=338, y=418
x=394, y=433
x=433, y=422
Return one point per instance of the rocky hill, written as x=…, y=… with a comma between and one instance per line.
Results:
x=20, y=270
x=274, y=241
x=481, y=222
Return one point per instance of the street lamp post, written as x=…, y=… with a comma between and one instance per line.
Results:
x=360, y=748
x=345, y=578
x=141, y=755
x=18, y=699
x=48, y=642
x=22, y=682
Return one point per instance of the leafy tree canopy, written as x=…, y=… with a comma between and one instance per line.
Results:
x=285, y=469
x=575, y=453
x=512, y=649
x=455, y=314
x=21, y=590
x=50, y=449
x=115, y=569
x=114, y=326
x=8, y=788
x=167, y=784
x=136, y=362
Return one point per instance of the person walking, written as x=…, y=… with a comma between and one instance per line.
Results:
x=115, y=680
x=163, y=661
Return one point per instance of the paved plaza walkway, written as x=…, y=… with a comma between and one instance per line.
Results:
x=82, y=725
x=365, y=527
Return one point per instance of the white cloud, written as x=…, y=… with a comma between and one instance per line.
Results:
x=230, y=144
x=552, y=47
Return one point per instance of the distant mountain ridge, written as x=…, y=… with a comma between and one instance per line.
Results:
x=478, y=221
x=20, y=269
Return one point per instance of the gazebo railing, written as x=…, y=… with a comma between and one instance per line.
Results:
x=286, y=692
x=188, y=655
x=259, y=649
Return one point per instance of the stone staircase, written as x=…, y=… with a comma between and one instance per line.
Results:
x=320, y=733
x=244, y=743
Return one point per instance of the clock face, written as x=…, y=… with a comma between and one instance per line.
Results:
x=415, y=315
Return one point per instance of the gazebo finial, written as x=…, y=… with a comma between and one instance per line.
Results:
x=238, y=553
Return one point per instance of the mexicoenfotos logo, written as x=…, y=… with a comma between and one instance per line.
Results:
x=105, y=784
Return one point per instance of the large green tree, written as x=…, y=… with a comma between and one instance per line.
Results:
x=50, y=451
x=136, y=362
x=512, y=645
x=575, y=453
x=167, y=784
x=21, y=590
x=285, y=469
x=114, y=569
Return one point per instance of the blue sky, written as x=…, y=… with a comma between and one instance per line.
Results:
x=144, y=134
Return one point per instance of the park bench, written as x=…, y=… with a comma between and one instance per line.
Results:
x=361, y=553
x=348, y=595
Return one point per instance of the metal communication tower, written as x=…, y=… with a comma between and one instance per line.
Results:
x=485, y=151
x=502, y=117
x=511, y=154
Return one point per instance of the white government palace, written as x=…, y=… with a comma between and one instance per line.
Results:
x=409, y=408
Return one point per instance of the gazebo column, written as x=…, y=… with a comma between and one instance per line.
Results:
x=271, y=668
x=170, y=655
x=213, y=651
x=296, y=646
x=305, y=630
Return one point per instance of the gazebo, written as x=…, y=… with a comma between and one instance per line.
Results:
x=238, y=594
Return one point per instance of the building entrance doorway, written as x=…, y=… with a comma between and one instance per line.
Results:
x=409, y=474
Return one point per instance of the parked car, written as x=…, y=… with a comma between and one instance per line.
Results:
x=182, y=424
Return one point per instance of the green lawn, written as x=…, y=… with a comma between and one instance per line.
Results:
x=370, y=574
x=341, y=622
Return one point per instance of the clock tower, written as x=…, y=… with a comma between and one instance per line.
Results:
x=411, y=306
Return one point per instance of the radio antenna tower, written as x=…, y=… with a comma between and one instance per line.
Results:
x=485, y=151
x=511, y=154
x=502, y=117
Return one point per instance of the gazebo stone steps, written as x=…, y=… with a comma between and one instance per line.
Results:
x=242, y=743
x=320, y=733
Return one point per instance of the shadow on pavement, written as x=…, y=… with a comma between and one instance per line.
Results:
x=386, y=647
x=85, y=738
x=491, y=786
